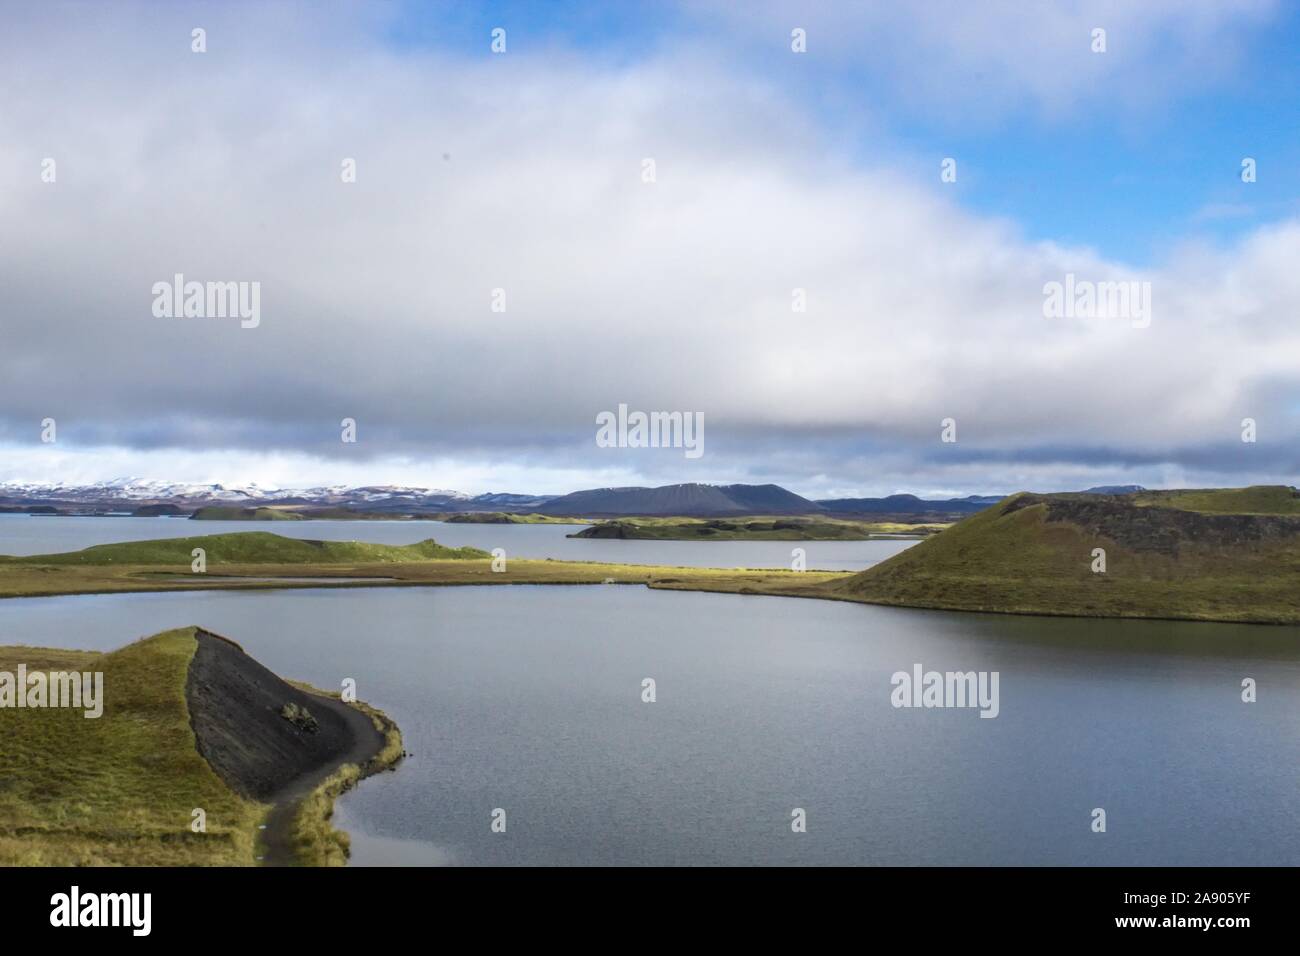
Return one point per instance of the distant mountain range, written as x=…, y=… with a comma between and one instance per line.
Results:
x=141, y=489
x=135, y=495
x=912, y=505
x=132, y=494
x=909, y=505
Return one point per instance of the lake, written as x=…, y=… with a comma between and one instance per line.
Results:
x=28, y=534
x=528, y=699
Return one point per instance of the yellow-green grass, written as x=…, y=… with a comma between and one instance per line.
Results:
x=121, y=789
x=247, y=547
x=27, y=581
x=1256, y=500
x=118, y=789
x=264, y=560
x=1169, y=564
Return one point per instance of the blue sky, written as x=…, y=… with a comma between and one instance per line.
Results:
x=1131, y=179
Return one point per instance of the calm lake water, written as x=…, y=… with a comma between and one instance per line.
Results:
x=529, y=699
x=27, y=534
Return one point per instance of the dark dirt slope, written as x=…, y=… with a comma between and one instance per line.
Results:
x=1166, y=530
x=236, y=709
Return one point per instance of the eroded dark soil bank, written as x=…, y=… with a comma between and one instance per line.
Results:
x=1165, y=530
x=267, y=739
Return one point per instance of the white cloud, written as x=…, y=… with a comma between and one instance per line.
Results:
x=676, y=295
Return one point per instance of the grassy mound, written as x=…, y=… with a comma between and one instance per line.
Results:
x=173, y=737
x=119, y=789
x=1256, y=500
x=502, y=517
x=751, y=529
x=252, y=547
x=1032, y=554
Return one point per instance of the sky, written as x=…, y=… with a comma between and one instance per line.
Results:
x=826, y=255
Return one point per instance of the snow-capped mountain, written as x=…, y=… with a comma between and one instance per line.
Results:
x=129, y=491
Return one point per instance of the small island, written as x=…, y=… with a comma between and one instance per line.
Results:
x=789, y=528
x=232, y=513
x=503, y=517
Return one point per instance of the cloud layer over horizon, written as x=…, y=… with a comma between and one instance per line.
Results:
x=523, y=172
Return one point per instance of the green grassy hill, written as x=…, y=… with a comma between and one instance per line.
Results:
x=119, y=789
x=1227, y=555
x=251, y=547
x=1256, y=500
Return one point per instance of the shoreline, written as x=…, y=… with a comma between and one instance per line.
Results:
x=285, y=745
x=745, y=583
x=298, y=828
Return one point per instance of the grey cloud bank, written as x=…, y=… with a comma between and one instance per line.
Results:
x=376, y=295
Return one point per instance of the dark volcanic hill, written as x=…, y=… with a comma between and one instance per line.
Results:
x=1230, y=554
x=688, y=499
